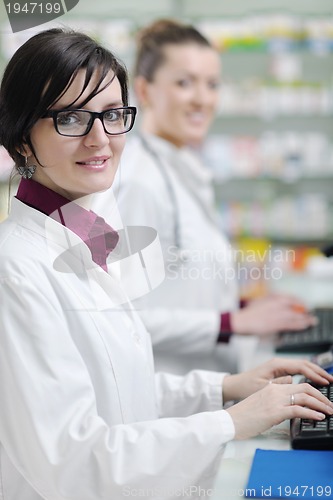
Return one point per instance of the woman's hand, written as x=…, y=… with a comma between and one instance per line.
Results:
x=278, y=371
x=275, y=403
x=271, y=314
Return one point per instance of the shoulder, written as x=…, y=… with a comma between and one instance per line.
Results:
x=19, y=254
x=23, y=251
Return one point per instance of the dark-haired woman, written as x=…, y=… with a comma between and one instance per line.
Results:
x=80, y=404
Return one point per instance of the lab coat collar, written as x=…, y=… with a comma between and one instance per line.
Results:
x=186, y=164
x=129, y=277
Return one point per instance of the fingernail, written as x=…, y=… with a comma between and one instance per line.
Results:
x=322, y=416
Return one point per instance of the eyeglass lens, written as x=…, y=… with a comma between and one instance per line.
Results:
x=78, y=122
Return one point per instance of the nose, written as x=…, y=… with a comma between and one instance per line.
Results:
x=204, y=95
x=96, y=136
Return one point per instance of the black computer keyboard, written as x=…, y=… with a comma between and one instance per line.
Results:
x=311, y=434
x=315, y=339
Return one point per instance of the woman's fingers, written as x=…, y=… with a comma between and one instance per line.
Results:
x=275, y=403
x=308, y=396
x=276, y=371
x=315, y=373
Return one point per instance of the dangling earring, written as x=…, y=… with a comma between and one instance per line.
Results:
x=27, y=171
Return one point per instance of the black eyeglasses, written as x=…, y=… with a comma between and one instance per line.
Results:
x=78, y=122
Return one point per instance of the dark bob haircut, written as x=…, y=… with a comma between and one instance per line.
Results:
x=39, y=74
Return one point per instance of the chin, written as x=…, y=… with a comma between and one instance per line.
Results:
x=196, y=137
x=102, y=186
x=195, y=141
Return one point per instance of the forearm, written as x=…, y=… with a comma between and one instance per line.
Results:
x=198, y=391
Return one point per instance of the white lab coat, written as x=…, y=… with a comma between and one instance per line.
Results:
x=79, y=400
x=183, y=314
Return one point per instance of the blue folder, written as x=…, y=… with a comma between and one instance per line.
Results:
x=301, y=474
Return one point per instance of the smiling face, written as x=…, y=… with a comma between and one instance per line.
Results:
x=78, y=166
x=180, y=102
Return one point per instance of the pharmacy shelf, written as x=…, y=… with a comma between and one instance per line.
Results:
x=282, y=180
x=255, y=125
x=196, y=9
x=275, y=100
x=318, y=243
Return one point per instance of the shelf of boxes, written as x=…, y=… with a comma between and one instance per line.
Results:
x=271, y=148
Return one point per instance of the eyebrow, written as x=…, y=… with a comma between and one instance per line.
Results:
x=114, y=104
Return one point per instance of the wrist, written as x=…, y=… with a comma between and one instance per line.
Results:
x=238, y=322
x=230, y=390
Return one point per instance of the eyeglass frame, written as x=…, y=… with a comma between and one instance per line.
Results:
x=53, y=113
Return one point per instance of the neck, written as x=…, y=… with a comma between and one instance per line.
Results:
x=148, y=127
